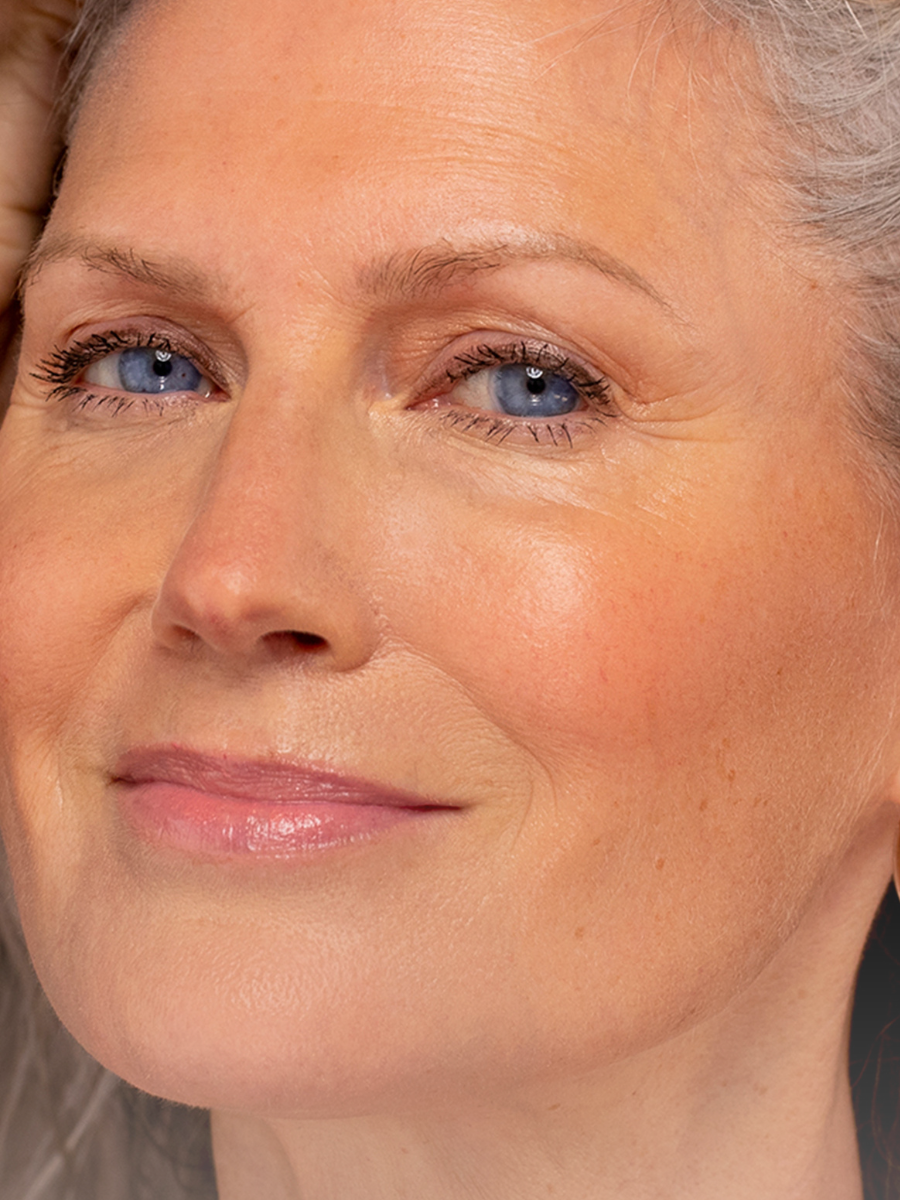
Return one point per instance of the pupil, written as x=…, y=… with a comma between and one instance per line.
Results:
x=529, y=391
x=162, y=367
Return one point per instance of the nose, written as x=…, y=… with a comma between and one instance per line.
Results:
x=268, y=567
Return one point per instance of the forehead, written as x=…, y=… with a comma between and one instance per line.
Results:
x=350, y=129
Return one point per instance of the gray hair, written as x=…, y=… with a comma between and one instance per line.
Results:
x=831, y=81
x=831, y=70
x=69, y=1129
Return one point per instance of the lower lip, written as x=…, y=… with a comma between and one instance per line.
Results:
x=208, y=825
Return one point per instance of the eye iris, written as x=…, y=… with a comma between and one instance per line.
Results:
x=144, y=369
x=528, y=391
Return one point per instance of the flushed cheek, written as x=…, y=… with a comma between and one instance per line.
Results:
x=551, y=643
x=674, y=694
x=593, y=646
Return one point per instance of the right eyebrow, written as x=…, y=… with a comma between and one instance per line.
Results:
x=176, y=279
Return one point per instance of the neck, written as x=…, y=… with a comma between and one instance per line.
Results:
x=740, y=1147
x=752, y=1104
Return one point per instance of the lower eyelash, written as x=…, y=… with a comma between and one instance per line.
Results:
x=115, y=404
x=496, y=429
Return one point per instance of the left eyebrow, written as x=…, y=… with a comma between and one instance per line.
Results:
x=178, y=279
x=429, y=270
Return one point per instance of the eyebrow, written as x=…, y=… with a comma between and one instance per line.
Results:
x=406, y=275
x=177, y=278
x=417, y=274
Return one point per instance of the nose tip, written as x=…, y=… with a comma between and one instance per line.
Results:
x=275, y=557
x=269, y=615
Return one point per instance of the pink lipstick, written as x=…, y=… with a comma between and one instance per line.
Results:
x=215, y=806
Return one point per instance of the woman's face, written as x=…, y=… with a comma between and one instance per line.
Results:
x=430, y=399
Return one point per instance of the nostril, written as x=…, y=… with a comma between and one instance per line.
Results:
x=283, y=641
x=311, y=640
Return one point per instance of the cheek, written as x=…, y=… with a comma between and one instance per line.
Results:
x=578, y=641
x=67, y=584
x=73, y=573
x=672, y=684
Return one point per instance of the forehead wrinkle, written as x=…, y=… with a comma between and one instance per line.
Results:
x=429, y=270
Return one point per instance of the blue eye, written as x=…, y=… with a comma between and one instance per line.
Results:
x=536, y=384
x=144, y=370
x=147, y=370
x=529, y=391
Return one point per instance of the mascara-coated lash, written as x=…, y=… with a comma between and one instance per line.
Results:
x=543, y=356
x=63, y=365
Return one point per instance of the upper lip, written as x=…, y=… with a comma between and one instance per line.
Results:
x=266, y=780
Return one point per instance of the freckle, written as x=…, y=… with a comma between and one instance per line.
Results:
x=660, y=863
x=704, y=804
x=579, y=933
x=554, y=1107
x=596, y=842
x=731, y=775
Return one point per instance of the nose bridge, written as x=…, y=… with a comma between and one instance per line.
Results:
x=270, y=558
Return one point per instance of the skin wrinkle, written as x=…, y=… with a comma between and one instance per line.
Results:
x=580, y=649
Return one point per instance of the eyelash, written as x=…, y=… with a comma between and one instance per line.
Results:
x=63, y=365
x=497, y=427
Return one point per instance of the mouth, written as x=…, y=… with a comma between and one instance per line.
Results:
x=215, y=806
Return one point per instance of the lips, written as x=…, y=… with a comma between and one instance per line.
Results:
x=216, y=806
